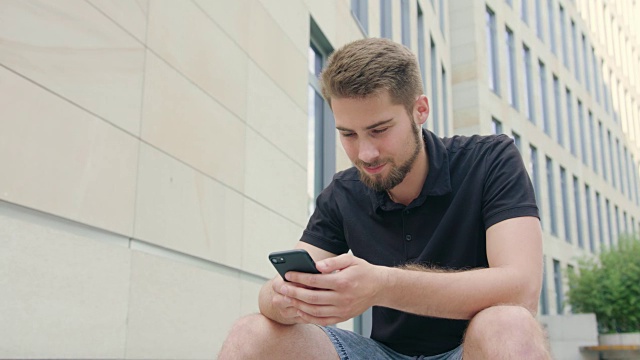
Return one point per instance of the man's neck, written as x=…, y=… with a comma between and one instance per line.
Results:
x=410, y=188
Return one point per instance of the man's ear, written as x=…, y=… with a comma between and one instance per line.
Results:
x=421, y=109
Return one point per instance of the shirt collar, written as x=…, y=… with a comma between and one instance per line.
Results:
x=438, y=180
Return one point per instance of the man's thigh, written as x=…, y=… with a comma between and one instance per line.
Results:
x=351, y=346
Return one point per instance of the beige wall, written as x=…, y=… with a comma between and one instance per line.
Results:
x=154, y=152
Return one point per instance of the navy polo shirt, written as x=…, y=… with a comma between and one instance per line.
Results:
x=472, y=184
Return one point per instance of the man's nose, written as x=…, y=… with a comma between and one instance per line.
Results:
x=368, y=152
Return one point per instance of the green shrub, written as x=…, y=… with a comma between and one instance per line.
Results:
x=609, y=286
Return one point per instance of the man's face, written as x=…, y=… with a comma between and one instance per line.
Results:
x=379, y=137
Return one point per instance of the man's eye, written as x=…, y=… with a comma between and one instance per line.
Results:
x=347, y=134
x=379, y=131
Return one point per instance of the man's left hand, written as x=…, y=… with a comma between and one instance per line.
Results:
x=346, y=288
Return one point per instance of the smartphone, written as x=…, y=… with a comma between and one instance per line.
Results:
x=293, y=260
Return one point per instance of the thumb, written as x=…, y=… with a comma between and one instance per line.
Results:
x=335, y=263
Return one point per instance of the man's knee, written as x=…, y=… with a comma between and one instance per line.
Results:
x=504, y=318
x=249, y=333
x=255, y=327
x=506, y=329
x=258, y=337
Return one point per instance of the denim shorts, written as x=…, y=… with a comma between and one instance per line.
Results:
x=351, y=346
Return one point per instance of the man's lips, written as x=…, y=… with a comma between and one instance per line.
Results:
x=373, y=169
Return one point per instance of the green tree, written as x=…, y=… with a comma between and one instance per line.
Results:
x=609, y=286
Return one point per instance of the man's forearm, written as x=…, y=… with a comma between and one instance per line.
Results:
x=457, y=295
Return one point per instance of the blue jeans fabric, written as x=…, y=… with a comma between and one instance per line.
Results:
x=351, y=346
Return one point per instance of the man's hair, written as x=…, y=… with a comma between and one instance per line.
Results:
x=370, y=66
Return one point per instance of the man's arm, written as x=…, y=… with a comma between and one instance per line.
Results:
x=273, y=304
x=514, y=276
x=514, y=251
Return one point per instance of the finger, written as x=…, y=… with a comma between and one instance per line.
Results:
x=312, y=281
x=324, y=321
x=332, y=264
x=314, y=297
x=277, y=282
x=317, y=311
x=284, y=305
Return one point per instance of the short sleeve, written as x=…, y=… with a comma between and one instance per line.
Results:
x=325, y=227
x=507, y=192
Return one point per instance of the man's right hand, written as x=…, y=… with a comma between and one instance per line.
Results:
x=282, y=304
x=274, y=304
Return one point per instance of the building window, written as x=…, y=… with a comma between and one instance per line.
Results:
x=596, y=74
x=524, y=11
x=492, y=54
x=617, y=213
x=592, y=141
x=611, y=163
x=421, y=56
x=627, y=172
x=406, y=23
x=445, y=103
x=574, y=45
x=602, y=151
x=552, y=26
x=618, y=165
x=566, y=217
x=587, y=80
x=442, y=11
x=533, y=170
x=614, y=98
x=386, y=16
x=516, y=140
x=558, y=107
x=600, y=225
x=570, y=270
x=587, y=196
x=606, y=94
x=578, y=210
x=563, y=37
x=360, y=10
x=544, y=294
x=544, y=98
x=512, y=85
x=528, y=85
x=636, y=185
x=434, y=89
x=609, y=224
x=321, y=156
x=496, y=126
x=557, y=279
x=583, y=136
x=609, y=90
x=552, y=197
x=539, y=17
x=572, y=140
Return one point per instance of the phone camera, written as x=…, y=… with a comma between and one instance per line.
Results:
x=277, y=260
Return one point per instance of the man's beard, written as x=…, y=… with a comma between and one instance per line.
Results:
x=397, y=173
